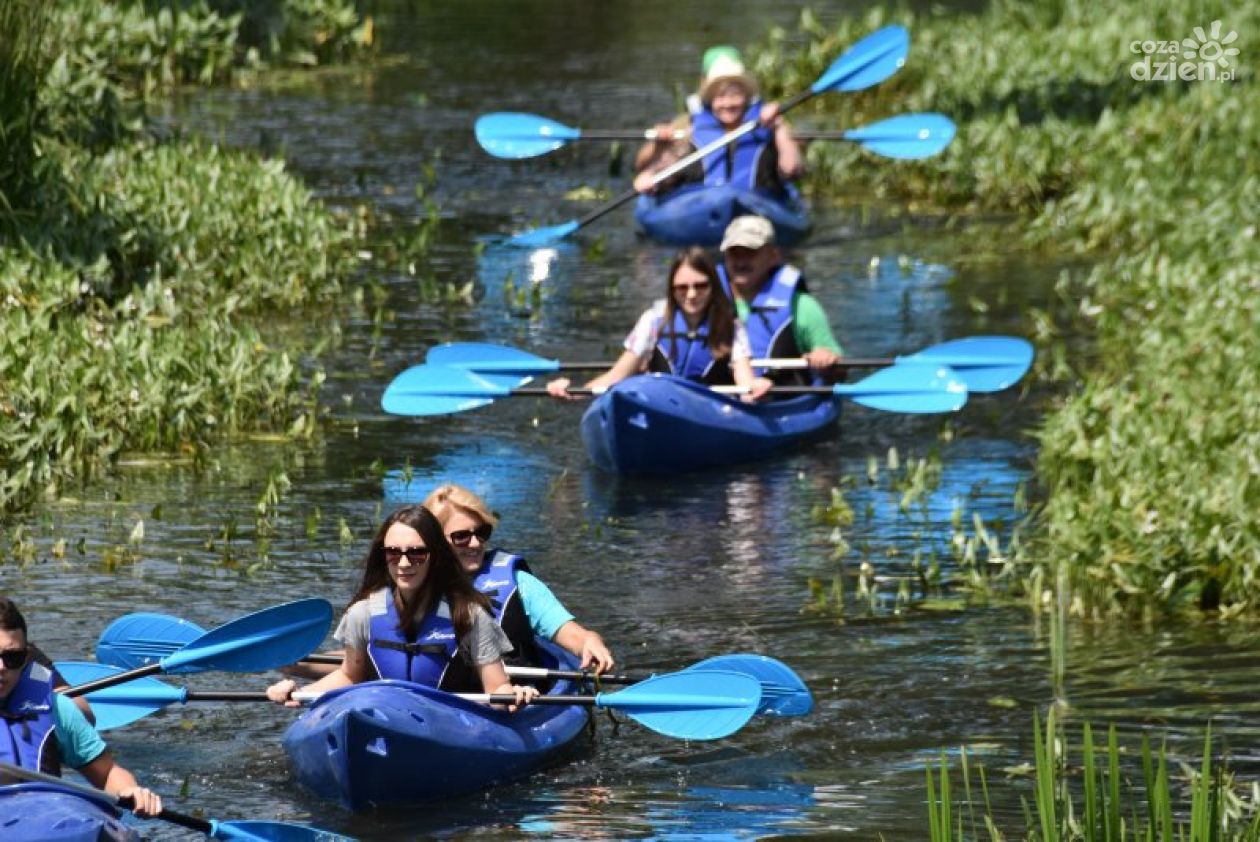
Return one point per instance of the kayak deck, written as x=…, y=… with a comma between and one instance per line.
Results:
x=699, y=214
x=387, y=742
x=42, y=812
x=660, y=424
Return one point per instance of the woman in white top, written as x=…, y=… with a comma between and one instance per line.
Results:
x=413, y=613
x=693, y=333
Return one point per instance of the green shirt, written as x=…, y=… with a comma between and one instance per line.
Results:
x=810, y=327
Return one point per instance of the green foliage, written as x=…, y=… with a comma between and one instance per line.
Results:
x=139, y=281
x=1150, y=473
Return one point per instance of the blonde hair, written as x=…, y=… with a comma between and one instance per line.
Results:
x=446, y=499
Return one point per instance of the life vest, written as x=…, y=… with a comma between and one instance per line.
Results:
x=422, y=659
x=737, y=163
x=27, y=735
x=686, y=353
x=497, y=582
x=769, y=322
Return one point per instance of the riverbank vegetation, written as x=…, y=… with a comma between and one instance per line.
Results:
x=1147, y=469
x=139, y=277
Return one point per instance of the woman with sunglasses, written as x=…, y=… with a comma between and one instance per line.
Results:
x=414, y=617
x=523, y=606
x=692, y=333
x=32, y=712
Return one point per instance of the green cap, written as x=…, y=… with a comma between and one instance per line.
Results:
x=712, y=54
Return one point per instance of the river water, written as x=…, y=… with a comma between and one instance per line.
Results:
x=670, y=571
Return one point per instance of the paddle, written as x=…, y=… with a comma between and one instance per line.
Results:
x=514, y=135
x=260, y=641
x=694, y=705
x=868, y=62
x=245, y=831
x=984, y=363
x=910, y=387
x=136, y=639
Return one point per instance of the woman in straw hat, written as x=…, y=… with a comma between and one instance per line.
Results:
x=767, y=157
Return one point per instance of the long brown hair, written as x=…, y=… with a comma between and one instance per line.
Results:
x=446, y=578
x=720, y=313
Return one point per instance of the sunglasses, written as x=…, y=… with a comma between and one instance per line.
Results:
x=463, y=537
x=416, y=555
x=699, y=286
x=13, y=658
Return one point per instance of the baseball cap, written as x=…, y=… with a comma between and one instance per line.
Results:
x=750, y=232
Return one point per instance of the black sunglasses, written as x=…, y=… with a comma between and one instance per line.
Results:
x=463, y=537
x=13, y=658
x=416, y=555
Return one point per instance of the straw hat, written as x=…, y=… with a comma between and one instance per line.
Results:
x=720, y=65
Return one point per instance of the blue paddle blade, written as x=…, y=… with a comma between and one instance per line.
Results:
x=274, y=637
x=514, y=135
x=782, y=691
x=137, y=640
x=868, y=62
x=441, y=390
x=911, y=387
x=984, y=363
x=544, y=236
x=908, y=137
x=272, y=832
x=487, y=358
x=123, y=704
x=689, y=706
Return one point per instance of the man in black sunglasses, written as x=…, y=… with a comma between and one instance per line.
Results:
x=30, y=709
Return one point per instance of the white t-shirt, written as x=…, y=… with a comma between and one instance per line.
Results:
x=484, y=644
x=647, y=333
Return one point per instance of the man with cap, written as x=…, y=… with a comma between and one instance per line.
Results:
x=782, y=318
x=767, y=157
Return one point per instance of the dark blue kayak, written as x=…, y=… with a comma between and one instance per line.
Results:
x=389, y=742
x=39, y=812
x=659, y=424
x=698, y=214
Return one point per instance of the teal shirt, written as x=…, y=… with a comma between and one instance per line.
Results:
x=79, y=742
x=546, y=614
x=810, y=327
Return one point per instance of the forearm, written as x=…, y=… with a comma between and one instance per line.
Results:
x=627, y=364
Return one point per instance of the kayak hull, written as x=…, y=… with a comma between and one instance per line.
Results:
x=391, y=742
x=660, y=424
x=699, y=214
x=40, y=812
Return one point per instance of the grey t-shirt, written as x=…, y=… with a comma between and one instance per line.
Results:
x=484, y=644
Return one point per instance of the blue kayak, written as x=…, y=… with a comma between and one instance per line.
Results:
x=660, y=424
x=39, y=812
x=388, y=742
x=698, y=214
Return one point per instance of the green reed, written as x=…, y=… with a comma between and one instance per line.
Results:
x=1099, y=802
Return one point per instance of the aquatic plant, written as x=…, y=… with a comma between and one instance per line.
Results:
x=1151, y=489
x=1097, y=802
x=134, y=313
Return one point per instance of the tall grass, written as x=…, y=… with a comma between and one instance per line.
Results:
x=1093, y=802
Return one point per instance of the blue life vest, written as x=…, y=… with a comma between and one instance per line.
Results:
x=497, y=582
x=422, y=659
x=27, y=736
x=769, y=322
x=684, y=352
x=735, y=163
